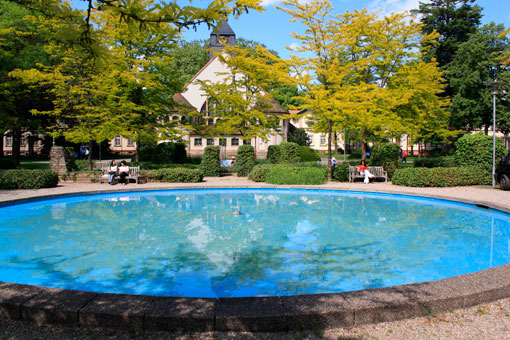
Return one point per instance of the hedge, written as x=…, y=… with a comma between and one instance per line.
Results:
x=291, y=174
x=245, y=160
x=289, y=153
x=259, y=172
x=476, y=150
x=273, y=154
x=385, y=155
x=433, y=162
x=307, y=154
x=341, y=172
x=28, y=179
x=440, y=177
x=179, y=175
x=211, y=161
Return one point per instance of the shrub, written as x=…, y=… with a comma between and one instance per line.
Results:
x=167, y=152
x=289, y=153
x=307, y=154
x=385, y=154
x=179, y=175
x=440, y=177
x=476, y=150
x=291, y=174
x=28, y=179
x=341, y=172
x=273, y=154
x=245, y=160
x=211, y=161
x=7, y=163
x=80, y=165
x=259, y=172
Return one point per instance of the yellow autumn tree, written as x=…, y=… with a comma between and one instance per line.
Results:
x=355, y=59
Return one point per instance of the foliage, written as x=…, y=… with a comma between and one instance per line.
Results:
x=477, y=60
x=211, y=166
x=80, y=165
x=454, y=20
x=299, y=136
x=433, y=162
x=245, y=160
x=243, y=87
x=291, y=174
x=273, y=154
x=476, y=151
x=341, y=172
x=307, y=154
x=386, y=154
x=179, y=175
x=440, y=177
x=28, y=179
x=168, y=152
x=362, y=72
x=259, y=172
x=289, y=153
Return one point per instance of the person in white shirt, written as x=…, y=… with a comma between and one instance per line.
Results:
x=112, y=171
x=123, y=172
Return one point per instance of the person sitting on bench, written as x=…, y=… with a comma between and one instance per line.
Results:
x=123, y=172
x=363, y=170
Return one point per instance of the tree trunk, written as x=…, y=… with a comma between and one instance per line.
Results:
x=137, y=151
x=89, y=157
x=16, y=145
x=30, y=141
x=330, y=169
x=2, y=134
x=363, y=144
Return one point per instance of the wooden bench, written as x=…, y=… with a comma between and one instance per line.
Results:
x=377, y=171
x=134, y=173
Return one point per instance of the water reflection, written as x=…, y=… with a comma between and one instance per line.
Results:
x=177, y=243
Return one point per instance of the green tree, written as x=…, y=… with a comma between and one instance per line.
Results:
x=454, y=20
x=298, y=136
x=478, y=60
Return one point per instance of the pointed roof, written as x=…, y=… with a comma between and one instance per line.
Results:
x=223, y=28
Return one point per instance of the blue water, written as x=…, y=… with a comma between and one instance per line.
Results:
x=285, y=242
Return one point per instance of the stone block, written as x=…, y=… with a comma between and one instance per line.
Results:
x=12, y=296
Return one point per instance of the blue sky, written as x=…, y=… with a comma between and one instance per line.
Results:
x=272, y=27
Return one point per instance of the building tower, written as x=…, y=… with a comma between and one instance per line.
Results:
x=221, y=36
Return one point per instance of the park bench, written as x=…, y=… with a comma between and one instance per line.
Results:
x=377, y=171
x=134, y=173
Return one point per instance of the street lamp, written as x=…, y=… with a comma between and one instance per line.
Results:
x=494, y=91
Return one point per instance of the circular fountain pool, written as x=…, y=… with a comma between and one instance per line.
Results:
x=245, y=242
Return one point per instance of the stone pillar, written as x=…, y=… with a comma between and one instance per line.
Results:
x=58, y=160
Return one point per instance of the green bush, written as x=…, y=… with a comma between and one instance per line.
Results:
x=259, y=172
x=476, y=150
x=245, y=160
x=385, y=155
x=7, y=163
x=307, y=154
x=440, y=177
x=80, y=165
x=341, y=172
x=179, y=175
x=28, y=179
x=289, y=153
x=156, y=166
x=291, y=174
x=211, y=166
x=273, y=154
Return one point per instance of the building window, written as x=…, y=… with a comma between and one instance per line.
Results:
x=246, y=141
x=117, y=141
x=323, y=139
x=223, y=141
x=210, y=122
x=8, y=141
x=22, y=141
x=198, y=141
x=234, y=141
x=130, y=142
x=210, y=141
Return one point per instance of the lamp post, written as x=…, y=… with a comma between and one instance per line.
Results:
x=494, y=91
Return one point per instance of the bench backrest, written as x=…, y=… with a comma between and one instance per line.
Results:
x=133, y=170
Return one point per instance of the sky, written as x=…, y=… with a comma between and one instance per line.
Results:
x=273, y=29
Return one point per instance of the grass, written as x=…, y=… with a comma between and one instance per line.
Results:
x=34, y=165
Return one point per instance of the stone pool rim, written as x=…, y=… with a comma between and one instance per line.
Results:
x=154, y=313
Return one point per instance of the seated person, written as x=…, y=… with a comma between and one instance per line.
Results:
x=333, y=162
x=123, y=172
x=112, y=171
x=363, y=170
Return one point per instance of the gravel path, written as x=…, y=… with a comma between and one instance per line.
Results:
x=487, y=321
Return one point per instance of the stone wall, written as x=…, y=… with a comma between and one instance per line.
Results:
x=58, y=160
